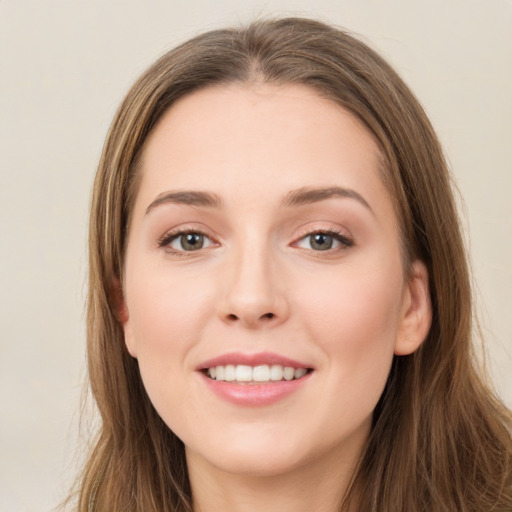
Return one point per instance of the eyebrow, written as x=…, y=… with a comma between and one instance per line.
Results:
x=309, y=195
x=301, y=196
x=188, y=197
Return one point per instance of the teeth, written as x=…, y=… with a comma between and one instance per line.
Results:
x=243, y=373
x=276, y=372
x=229, y=372
x=300, y=372
x=289, y=373
x=262, y=373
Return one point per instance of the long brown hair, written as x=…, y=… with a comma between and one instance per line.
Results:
x=440, y=441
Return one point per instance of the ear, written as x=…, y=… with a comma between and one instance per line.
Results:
x=416, y=315
x=118, y=302
x=122, y=315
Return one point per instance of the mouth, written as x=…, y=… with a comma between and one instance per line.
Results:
x=259, y=374
x=255, y=380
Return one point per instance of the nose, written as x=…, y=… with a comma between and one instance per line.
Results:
x=254, y=294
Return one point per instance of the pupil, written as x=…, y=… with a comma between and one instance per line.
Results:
x=192, y=241
x=321, y=242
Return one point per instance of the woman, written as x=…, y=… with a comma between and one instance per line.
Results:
x=279, y=302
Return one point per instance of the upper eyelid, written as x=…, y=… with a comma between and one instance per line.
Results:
x=188, y=227
x=332, y=228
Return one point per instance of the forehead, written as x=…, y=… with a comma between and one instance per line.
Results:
x=232, y=132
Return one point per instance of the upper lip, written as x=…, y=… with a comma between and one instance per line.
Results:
x=258, y=359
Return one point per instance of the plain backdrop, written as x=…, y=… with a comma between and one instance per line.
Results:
x=64, y=67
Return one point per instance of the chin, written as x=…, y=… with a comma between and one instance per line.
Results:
x=266, y=452
x=250, y=462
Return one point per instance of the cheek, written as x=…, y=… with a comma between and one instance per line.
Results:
x=354, y=319
x=166, y=318
x=355, y=304
x=165, y=306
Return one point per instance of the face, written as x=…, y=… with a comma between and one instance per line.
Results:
x=264, y=291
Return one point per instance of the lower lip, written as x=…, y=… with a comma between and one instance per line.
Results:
x=254, y=395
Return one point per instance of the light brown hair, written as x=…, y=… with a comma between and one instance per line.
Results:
x=440, y=441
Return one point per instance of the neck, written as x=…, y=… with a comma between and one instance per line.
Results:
x=313, y=486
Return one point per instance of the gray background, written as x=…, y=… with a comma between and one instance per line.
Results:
x=64, y=67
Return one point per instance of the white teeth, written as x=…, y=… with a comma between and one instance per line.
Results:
x=243, y=373
x=229, y=373
x=276, y=372
x=261, y=373
x=300, y=372
x=289, y=373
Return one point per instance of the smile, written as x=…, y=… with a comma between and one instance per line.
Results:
x=255, y=374
x=255, y=380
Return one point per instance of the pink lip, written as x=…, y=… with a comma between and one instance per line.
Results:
x=253, y=395
x=252, y=360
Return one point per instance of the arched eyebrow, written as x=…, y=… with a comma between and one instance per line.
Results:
x=308, y=195
x=299, y=197
x=188, y=197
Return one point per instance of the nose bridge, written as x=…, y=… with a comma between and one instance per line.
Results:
x=253, y=295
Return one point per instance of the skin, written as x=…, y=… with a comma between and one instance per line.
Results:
x=259, y=285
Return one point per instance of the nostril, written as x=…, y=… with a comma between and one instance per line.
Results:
x=231, y=317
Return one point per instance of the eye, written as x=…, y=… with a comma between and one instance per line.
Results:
x=187, y=241
x=324, y=241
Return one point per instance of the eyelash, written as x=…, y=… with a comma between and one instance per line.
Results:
x=338, y=236
x=165, y=241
